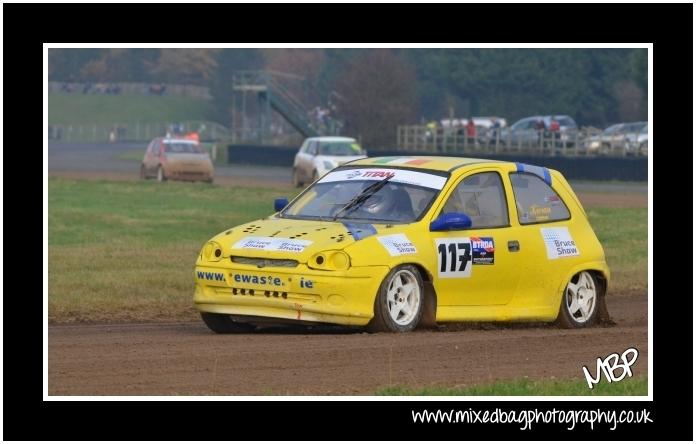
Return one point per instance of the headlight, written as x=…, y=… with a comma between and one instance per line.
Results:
x=332, y=260
x=212, y=251
x=329, y=165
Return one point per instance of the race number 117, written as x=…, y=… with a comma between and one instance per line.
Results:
x=454, y=257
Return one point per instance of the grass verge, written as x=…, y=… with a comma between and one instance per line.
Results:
x=635, y=386
x=124, y=108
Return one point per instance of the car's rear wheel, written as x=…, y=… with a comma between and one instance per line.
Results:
x=580, y=301
x=222, y=323
x=296, y=182
x=160, y=174
x=399, y=302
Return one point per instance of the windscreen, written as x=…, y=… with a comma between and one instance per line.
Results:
x=401, y=196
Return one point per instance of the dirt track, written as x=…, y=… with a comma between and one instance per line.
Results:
x=187, y=359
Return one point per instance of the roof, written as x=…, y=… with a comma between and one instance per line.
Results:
x=332, y=139
x=437, y=163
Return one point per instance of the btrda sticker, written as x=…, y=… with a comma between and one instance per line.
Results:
x=559, y=243
x=482, y=250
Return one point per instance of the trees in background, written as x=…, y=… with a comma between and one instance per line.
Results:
x=381, y=88
x=377, y=90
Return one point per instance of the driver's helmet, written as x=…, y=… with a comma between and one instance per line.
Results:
x=383, y=202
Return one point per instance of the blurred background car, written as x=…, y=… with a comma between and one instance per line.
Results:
x=319, y=155
x=176, y=159
x=614, y=139
x=534, y=129
x=637, y=142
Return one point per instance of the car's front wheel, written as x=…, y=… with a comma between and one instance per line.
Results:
x=580, y=302
x=399, y=302
x=222, y=323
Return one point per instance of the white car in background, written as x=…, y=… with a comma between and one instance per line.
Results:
x=319, y=155
x=638, y=142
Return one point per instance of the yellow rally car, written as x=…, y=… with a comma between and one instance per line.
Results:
x=394, y=242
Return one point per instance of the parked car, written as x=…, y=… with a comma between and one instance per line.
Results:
x=614, y=139
x=526, y=131
x=391, y=243
x=482, y=122
x=638, y=142
x=319, y=155
x=176, y=159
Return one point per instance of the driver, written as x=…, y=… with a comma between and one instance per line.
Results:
x=391, y=202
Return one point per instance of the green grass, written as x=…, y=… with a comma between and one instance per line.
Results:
x=109, y=109
x=126, y=250
x=623, y=233
x=122, y=251
x=635, y=386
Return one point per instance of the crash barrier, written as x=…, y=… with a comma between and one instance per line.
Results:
x=572, y=143
x=574, y=168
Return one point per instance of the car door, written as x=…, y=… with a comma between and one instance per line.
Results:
x=546, y=235
x=152, y=157
x=299, y=158
x=308, y=167
x=528, y=134
x=478, y=265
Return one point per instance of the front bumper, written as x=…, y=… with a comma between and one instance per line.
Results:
x=299, y=293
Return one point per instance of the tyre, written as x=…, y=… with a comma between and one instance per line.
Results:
x=580, y=301
x=222, y=324
x=296, y=182
x=160, y=174
x=399, y=302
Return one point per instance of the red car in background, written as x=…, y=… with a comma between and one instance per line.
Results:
x=176, y=159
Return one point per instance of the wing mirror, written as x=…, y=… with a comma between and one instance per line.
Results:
x=451, y=221
x=280, y=203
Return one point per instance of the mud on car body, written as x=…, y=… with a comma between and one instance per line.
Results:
x=395, y=242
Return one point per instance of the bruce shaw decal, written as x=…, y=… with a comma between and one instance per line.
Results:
x=559, y=243
x=272, y=244
x=397, y=244
x=456, y=255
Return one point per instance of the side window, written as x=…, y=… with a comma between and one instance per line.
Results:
x=482, y=198
x=536, y=201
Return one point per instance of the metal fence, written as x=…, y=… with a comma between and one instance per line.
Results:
x=133, y=131
x=443, y=140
